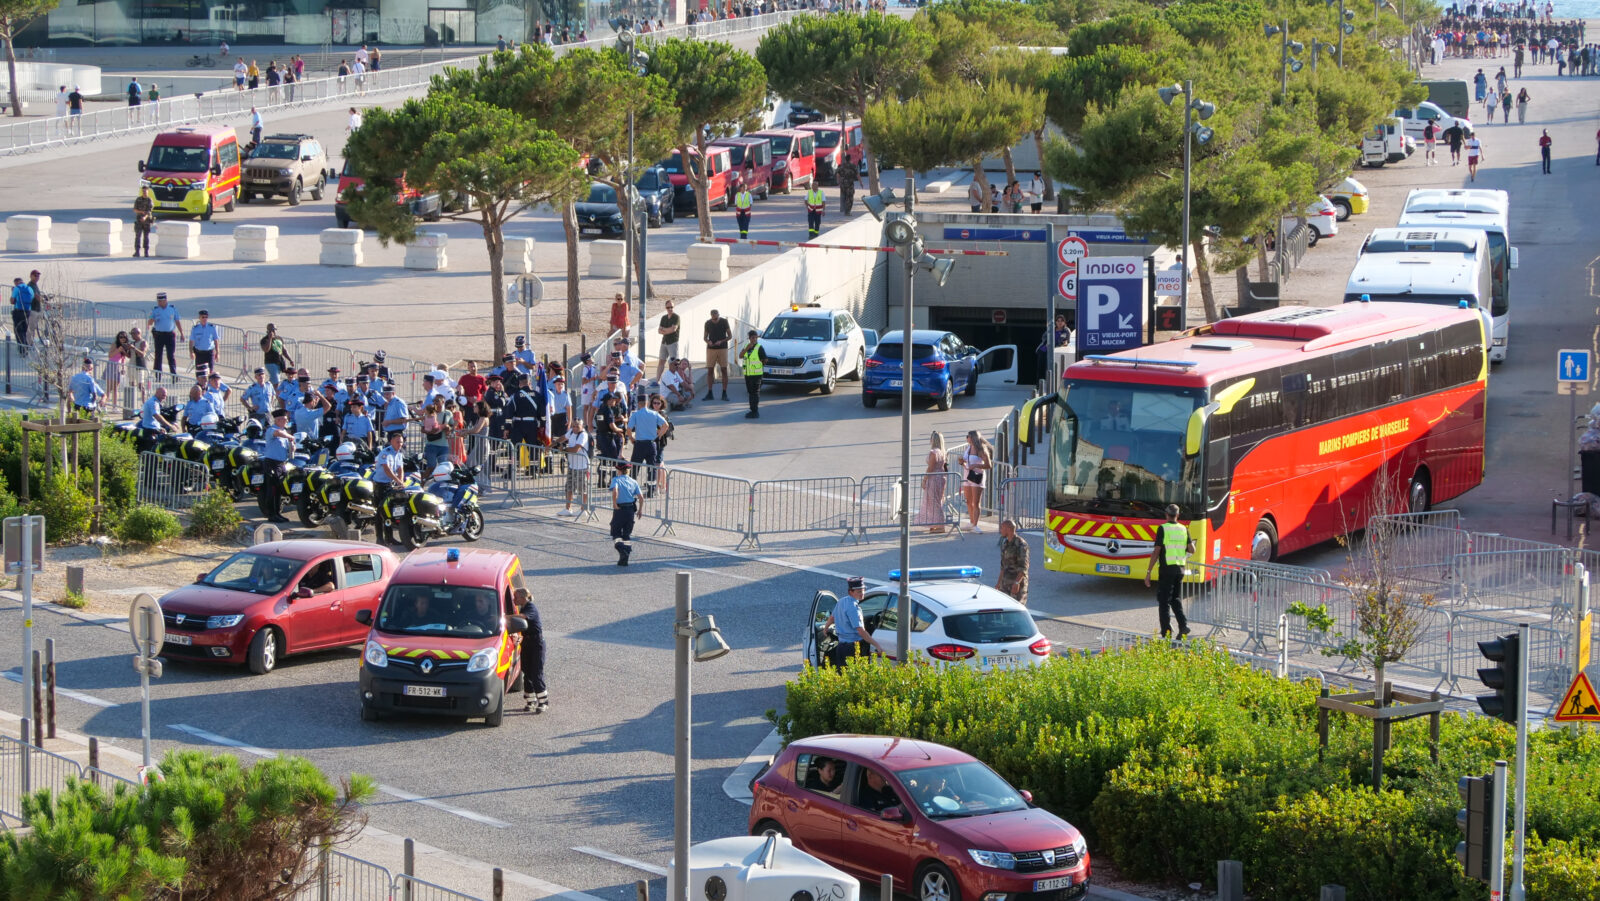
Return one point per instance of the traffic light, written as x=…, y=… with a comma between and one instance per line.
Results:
x=1475, y=823
x=1502, y=678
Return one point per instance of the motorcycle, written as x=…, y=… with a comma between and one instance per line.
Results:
x=448, y=506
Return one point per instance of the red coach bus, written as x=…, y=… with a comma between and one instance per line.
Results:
x=1271, y=432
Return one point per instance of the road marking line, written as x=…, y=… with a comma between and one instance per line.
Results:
x=440, y=805
x=618, y=858
x=223, y=740
x=737, y=785
x=67, y=692
x=427, y=853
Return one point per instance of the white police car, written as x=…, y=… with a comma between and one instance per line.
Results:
x=812, y=345
x=954, y=618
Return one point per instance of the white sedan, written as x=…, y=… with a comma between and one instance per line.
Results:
x=954, y=618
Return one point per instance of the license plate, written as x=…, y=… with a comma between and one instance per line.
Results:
x=1115, y=569
x=896, y=383
x=216, y=464
x=180, y=639
x=999, y=660
x=295, y=487
x=261, y=181
x=255, y=479
x=424, y=691
x=776, y=371
x=398, y=514
x=587, y=229
x=1047, y=885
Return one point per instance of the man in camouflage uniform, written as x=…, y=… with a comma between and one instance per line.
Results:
x=848, y=176
x=1013, y=563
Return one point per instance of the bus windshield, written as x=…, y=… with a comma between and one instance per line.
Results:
x=1117, y=449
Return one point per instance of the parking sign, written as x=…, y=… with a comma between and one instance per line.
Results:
x=1111, y=300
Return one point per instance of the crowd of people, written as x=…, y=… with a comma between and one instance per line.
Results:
x=1506, y=32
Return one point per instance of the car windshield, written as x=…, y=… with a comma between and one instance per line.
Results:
x=828, y=138
x=674, y=164
x=1119, y=449
x=602, y=194
x=166, y=158
x=894, y=350
x=255, y=573
x=451, y=610
x=650, y=181
x=735, y=152
x=795, y=328
x=960, y=790
x=277, y=150
x=780, y=144
x=989, y=626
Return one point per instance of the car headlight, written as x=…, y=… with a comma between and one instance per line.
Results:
x=226, y=621
x=1000, y=860
x=815, y=358
x=143, y=183
x=1053, y=541
x=482, y=660
x=375, y=655
x=1080, y=846
x=781, y=164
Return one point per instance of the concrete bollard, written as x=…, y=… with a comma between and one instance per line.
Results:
x=255, y=243
x=28, y=234
x=708, y=263
x=428, y=251
x=178, y=240
x=605, y=259
x=519, y=256
x=100, y=237
x=341, y=246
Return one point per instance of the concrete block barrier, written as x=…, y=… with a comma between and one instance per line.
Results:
x=255, y=243
x=28, y=234
x=605, y=259
x=342, y=246
x=519, y=256
x=428, y=251
x=936, y=187
x=100, y=237
x=178, y=240
x=708, y=263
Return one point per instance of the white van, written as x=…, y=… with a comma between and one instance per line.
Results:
x=1411, y=266
x=1481, y=209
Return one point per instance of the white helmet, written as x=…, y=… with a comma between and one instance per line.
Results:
x=209, y=421
x=443, y=471
x=346, y=452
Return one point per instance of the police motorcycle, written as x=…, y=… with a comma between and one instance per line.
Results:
x=447, y=506
x=309, y=455
x=142, y=442
x=395, y=509
x=240, y=473
x=355, y=506
x=325, y=486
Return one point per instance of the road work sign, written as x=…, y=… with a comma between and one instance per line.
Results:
x=1111, y=301
x=1579, y=704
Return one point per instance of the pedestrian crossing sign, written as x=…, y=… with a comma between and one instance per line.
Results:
x=1579, y=704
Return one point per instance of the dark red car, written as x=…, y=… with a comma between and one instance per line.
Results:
x=278, y=598
x=934, y=818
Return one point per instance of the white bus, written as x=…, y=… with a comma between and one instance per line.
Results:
x=1448, y=276
x=1485, y=210
x=1447, y=245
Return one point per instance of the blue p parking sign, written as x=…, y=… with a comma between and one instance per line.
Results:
x=1111, y=301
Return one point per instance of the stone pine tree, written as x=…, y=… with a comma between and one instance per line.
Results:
x=459, y=146
x=15, y=16
x=715, y=87
x=956, y=125
x=843, y=62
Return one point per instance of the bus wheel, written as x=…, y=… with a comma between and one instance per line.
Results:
x=1264, y=544
x=1417, y=500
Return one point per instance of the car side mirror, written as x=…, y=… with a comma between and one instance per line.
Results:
x=202, y=577
x=216, y=170
x=1513, y=258
x=516, y=624
x=1026, y=796
x=895, y=814
x=141, y=165
x=364, y=617
x=303, y=592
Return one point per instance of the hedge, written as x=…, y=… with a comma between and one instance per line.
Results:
x=119, y=476
x=1170, y=759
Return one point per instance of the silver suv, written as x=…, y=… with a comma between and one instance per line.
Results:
x=287, y=165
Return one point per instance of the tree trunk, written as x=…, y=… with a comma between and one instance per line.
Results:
x=1208, y=293
x=569, y=222
x=1049, y=184
x=1011, y=167
x=701, y=182
x=979, y=176
x=6, y=31
x=630, y=246
x=494, y=237
x=1377, y=688
x=873, y=182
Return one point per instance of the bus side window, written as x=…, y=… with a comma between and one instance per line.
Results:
x=1218, y=467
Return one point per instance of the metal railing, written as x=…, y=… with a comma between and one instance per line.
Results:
x=340, y=877
x=410, y=888
x=170, y=482
x=26, y=768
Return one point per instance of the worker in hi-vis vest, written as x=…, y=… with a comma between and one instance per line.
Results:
x=742, y=202
x=815, y=204
x=1173, y=546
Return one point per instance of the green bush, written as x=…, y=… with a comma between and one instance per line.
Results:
x=1171, y=821
x=67, y=511
x=1559, y=869
x=74, y=599
x=148, y=524
x=213, y=516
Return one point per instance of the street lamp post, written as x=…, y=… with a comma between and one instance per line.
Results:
x=695, y=637
x=1191, y=131
x=1344, y=26
x=1286, y=62
x=639, y=61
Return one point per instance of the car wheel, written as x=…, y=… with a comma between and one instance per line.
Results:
x=206, y=216
x=869, y=401
x=229, y=206
x=499, y=716
x=295, y=192
x=948, y=398
x=319, y=188
x=246, y=197
x=934, y=882
x=767, y=828
x=861, y=366
x=1344, y=209
x=264, y=651
x=1418, y=498
x=1264, y=544
x=473, y=529
x=672, y=215
x=342, y=220
x=831, y=379
x=1312, y=241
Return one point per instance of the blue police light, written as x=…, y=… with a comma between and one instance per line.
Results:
x=931, y=573
x=1366, y=298
x=1463, y=304
x=453, y=555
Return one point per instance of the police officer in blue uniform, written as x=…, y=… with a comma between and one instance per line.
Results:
x=389, y=476
x=280, y=447
x=217, y=392
x=523, y=355
x=332, y=381
x=525, y=413
x=203, y=340
x=395, y=415
x=357, y=424
x=535, y=699
x=86, y=392
x=625, y=499
x=151, y=422
x=165, y=330
x=199, y=405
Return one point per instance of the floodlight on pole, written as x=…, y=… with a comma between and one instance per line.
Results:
x=1192, y=131
x=879, y=204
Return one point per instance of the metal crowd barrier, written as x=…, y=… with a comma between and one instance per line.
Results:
x=707, y=501
x=790, y=506
x=410, y=888
x=169, y=482
x=878, y=502
x=1023, y=500
x=340, y=877
x=25, y=769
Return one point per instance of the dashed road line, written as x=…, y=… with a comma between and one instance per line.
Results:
x=625, y=861
x=16, y=677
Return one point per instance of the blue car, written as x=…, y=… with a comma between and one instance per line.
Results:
x=942, y=364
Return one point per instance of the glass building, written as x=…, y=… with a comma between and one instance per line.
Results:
x=336, y=22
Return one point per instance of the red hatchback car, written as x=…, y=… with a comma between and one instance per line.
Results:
x=934, y=818
x=279, y=598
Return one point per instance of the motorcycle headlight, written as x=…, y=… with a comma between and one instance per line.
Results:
x=227, y=621
x=1000, y=860
x=482, y=660
x=375, y=655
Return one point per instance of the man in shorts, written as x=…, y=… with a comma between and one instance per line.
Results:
x=1429, y=139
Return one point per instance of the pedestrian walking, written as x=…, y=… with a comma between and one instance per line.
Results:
x=625, y=500
x=1480, y=85
x=166, y=329
x=203, y=340
x=135, y=98
x=975, y=196
x=1544, y=149
x=344, y=72
x=815, y=204
x=75, y=110
x=976, y=459
x=619, y=314
x=753, y=362
x=1474, y=154
x=61, y=103
x=240, y=73
x=931, y=514
x=1505, y=107
x=850, y=627
x=1172, y=548
x=1036, y=192
x=1453, y=136
x=1013, y=578
x=575, y=446
x=719, y=334
x=256, y=125
x=535, y=697
x=1522, y=105
x=21, y=304
x=1430, y=138
x=1491, y=101
x=848, y=175
x=742, y=203
x=254, y=71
